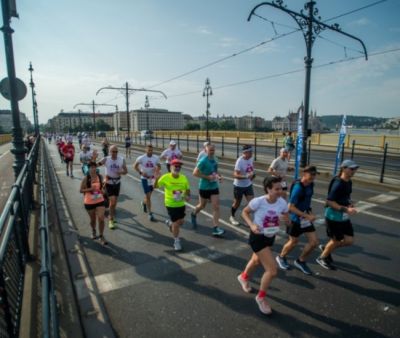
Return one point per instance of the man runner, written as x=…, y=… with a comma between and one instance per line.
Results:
x=148, y=166
x=128, y=144
x=339, y=207
x=279, y=168
x=115, y=167
x=170, y=154
x=68, y=151
x=177, y=191
x=207, y=170
x=301, y=216
x=243, y=180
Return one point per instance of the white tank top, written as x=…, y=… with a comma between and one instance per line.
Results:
x=113, y=166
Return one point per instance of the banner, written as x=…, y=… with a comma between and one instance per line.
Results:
x=342, y=136
x=299, y=141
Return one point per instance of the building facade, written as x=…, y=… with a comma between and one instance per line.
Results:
x=65, y=121
x=6, y=121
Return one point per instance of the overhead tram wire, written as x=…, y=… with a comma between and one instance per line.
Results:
x=340, y=45
x=258, y=45
x=330, y=63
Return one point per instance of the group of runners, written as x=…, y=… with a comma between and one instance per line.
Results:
x=262, y=214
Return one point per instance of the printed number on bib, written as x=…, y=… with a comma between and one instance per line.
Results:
x=178, y=195
x=284, y=184
x=304, y=223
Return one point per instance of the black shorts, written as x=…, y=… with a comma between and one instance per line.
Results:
x=238, y=192
x=127, y=145
x=259, y=242
x=113, y=189
x=176, y=214
x=337, y=230
x=67, y=160
x=295, y=229
x=206, y=194
x=94, y=206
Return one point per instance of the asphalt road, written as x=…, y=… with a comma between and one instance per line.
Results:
x=7, y=173
x=150, y=291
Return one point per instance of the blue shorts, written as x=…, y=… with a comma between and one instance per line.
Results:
x=146, y=187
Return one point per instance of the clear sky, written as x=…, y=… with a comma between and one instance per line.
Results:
x=78, y=46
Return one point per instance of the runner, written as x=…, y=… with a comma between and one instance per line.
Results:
x=68, y=151
x=301, y=216
x=243, y=180
x=105, y=145
x=289, y=144
x=171, y=153
x=115, y=167
x=60, y=145
x=207, y=171
x=279, y=168
x=91, y=187
x=85, y=156
x=267, y=210
x=338, y=209
x=86, y=141
x=128, y=144
x=177, y=191
x=148, y=166
x=203, y=152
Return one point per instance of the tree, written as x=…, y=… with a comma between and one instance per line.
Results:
x=193, y=126
x=227, y=125
x=103, y=126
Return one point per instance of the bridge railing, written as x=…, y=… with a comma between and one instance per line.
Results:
x=14, y=249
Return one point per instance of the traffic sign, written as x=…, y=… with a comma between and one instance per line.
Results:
x=5, y=89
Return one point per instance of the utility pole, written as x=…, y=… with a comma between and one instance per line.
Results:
x=147, y=106
x=93, y=105
x=207, y=91
x=311, y=25
x=127, y=90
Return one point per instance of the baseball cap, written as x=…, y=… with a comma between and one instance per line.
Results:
x=349, y=164
x=205, y=144
x=312, y=169
x=284, y=150
x=172, y=143
x=246, y=148
x=176, y=162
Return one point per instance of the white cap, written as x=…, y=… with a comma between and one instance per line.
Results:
x=172, y=143
x=205, y=144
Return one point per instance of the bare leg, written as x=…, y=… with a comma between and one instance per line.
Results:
x=215, y=208
x=310, y=246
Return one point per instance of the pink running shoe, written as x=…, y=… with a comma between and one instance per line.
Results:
x=263, y=305
x=244, y=283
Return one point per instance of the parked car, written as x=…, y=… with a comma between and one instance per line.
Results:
x=146, y=134
x=101, y=134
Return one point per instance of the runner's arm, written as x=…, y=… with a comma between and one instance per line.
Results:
x=246, y=216
x=197, y=173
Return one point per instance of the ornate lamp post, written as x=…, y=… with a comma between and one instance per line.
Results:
x=207, y=91
x=147, y=106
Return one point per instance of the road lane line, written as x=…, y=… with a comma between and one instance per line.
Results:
x=383, y=198
x=1, y=156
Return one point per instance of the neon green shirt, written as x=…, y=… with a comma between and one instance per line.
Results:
x=175, y=189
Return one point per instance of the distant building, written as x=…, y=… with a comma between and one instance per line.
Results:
x=6, y=121
x=149, y=119
x=75, y=120
x=289, y=123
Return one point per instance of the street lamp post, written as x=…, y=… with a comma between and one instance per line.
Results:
x=147, y=106
x=34, y=103
x=126, y=90
x=311, y=26
x=18, y=143
x=207, y=91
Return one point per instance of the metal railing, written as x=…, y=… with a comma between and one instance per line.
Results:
x=14, y=249
x=380, y=163
x=50, y=327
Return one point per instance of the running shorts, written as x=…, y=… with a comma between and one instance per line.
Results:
x=259, y=241
x=337, y=230
x=206, y=194
x=176, y=214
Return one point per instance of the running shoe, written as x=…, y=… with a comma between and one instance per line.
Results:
x=102, y=240
x=177, y=245
x=324, y=263
x=72, y=175
x=233, y=221
x=282, y=263
x=111, y=224
x=329, y=257
x=94, y=235
x=217, y=231
x=169, y=224
x=244, y=283
x=263, y=305
x=302, y=266
x=194, y=220
x=144, y=206
x=67, y=173
x=151, y=217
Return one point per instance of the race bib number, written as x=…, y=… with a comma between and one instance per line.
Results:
x=178, y=195
x=271, y=231
x=345, y=216
x=96, y=196
x=150, y=181
x=304, y=223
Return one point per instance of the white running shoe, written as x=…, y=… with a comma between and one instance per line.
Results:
x=233, y=221
x=244, y=283
x=263, y=305
x=177, y=245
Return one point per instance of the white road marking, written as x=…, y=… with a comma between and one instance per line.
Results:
x=1, y=156
x=157, y=269
x=383, y=198
x=388, y=218
x=362, y=206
